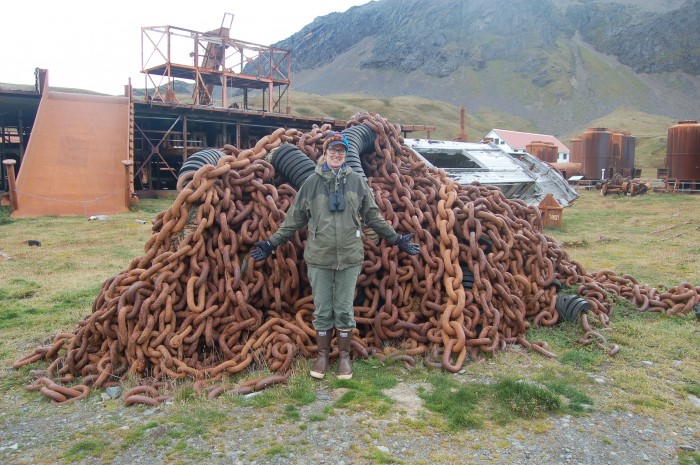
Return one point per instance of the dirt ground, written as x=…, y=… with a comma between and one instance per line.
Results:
x=36, y=432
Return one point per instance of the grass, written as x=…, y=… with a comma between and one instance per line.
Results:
x=524, y=400
x=693, y=388
x=193, y=422
x=376, y=456
x=278, y=450
x=624, y=80
x=365, y=389
x=48, y=289
x=472, y=405
x=456, y=403
x=83, y=449
x=689, y=458
x=653, y=237
x=138, y=435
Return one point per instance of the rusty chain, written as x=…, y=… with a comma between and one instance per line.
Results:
x=195, y=307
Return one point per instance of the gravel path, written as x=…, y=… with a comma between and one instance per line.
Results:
x=33, y=431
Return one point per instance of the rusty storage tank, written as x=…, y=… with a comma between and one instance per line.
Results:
x=622, y=156
x=618, y=148
x=683, y=151
x=545, y=151
x=628, y=153
x=568, y=169
x=595, y=152
x=575, y=155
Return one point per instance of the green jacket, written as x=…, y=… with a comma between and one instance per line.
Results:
x=334, y=238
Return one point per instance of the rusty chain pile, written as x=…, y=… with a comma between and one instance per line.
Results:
x=624, y=186
x=677, y=300
x=195, y=306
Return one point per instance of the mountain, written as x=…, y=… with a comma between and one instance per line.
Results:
x=559, y=64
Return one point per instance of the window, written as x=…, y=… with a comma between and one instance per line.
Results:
x=446, y=158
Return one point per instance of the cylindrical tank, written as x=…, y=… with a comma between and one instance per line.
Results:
x=619, y=146
x=545, y=151
x=683, y=151
x=575, y=145
x=595, y=152
x=568, y=169
x=628, y=154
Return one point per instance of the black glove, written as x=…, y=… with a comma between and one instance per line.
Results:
x=264, y=249
x=408, y=247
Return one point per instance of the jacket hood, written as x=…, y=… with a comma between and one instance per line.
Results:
x=330, y=177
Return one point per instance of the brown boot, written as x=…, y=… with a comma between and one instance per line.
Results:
x=344, y=366
x=323, y=339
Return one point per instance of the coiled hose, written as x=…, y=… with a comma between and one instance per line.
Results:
x=570, y=307
x=360, y=142
x=296, y=167
x=293, y=164
x=197, y=160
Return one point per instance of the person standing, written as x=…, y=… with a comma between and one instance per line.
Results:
x=333, y=202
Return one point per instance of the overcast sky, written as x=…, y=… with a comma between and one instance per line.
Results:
x=96, y=45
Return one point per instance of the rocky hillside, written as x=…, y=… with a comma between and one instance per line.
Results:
x=558, y=63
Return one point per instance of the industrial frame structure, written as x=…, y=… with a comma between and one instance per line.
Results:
x=214, y=60
x=18, y=110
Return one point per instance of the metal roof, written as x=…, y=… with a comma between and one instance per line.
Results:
x=520, y=140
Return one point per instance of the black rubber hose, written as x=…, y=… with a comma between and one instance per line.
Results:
x=360, y=142
x=199, y=159
x=299, y=172
x=556, y=284
x=570, y=307
x=293, y=164
x=467, y=278
x=281, y=164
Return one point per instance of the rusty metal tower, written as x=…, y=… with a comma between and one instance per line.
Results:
x=226, y=72
x=462, y=136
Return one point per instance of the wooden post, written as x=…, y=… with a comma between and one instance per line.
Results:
x=127, y=190
x=10, y=167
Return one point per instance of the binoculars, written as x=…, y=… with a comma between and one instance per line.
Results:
x=336, y=200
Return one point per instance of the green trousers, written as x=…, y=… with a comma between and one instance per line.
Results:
x=334, y=291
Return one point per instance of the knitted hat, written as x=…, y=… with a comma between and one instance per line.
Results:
x=335, y=138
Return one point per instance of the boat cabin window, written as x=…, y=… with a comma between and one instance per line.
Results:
x=449, y=159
